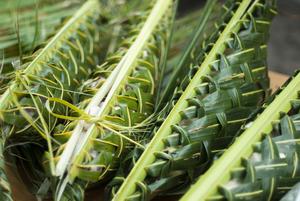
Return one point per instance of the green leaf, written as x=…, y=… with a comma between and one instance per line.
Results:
x=181, y=69
x=209, y=107
x=124, y=89
x=23, y=26
x=262, y=164
x=57, y=70
x=5, y=189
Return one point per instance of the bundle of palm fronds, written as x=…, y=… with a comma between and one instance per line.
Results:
x=140, y=100
x=210, y=105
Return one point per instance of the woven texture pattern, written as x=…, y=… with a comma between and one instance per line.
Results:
x=28, y=29
x=63, y=72
x=55, y=70
x=223, y=100
x=131, y=111
x=273, y=167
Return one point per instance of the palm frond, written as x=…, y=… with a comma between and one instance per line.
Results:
x=263, y=163
x=23, y=28
x=56, y=70
x=213, y=101
x=124, y=87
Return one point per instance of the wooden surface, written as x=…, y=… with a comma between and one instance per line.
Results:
x=21, y=194
x=277, y=79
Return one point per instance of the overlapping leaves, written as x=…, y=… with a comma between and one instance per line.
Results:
x=269, y=167
x=133, y=106
x=56, y=70
x=129, y=112
x=226, y=80
x=236, y=84
x=23, y=28
x=273, y=167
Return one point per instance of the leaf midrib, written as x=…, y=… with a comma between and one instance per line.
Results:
x=220, y=171
x=138, y=172
x=88, y=7
x=126, y=64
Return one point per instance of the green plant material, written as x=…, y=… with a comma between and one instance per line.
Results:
x=184, y=26
x=182, y=68
x=9, y=46
x=21, y=148
x=124, y=89
x=36, y=19
x=5, y=191
x=180, y=25
x=263, y=163
x=24, y=24
x=208, y=108
x=181, y=52
x=57, y=71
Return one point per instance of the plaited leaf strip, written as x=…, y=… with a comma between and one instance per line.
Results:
x=207, y=112
x=126, y=115
x=262, y=164
x=56, y=70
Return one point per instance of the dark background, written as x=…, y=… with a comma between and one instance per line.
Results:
x=284, y=45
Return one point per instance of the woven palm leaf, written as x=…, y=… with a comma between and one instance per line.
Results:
x=215, y=99
x=56, y=70
x=116, y=117
x=24, y=25
x=263, y=163
x=171, y=74
x=21, y=29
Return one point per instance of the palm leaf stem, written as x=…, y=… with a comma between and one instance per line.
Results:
x=34, y=67
x=138, y=172
x=155, y=148
x=110, y=87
